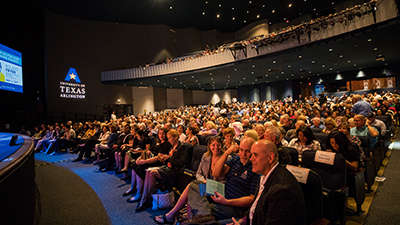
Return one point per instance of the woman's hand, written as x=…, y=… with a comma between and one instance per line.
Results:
x=140, y=162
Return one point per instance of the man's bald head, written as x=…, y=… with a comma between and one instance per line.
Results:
x=264, y=156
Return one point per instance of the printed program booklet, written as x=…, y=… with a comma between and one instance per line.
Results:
x=211, y=186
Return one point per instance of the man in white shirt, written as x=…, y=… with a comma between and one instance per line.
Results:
x=279, y=197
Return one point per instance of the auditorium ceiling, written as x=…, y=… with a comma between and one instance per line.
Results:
x=222, y=15
x=374, y=47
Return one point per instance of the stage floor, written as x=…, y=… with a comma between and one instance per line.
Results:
x=5, y=149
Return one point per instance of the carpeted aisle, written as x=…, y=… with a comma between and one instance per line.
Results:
x=67, y=199
x=385, y=208
x=107, y=188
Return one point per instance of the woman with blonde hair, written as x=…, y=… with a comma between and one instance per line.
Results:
x=210, y=129
x=330, y=125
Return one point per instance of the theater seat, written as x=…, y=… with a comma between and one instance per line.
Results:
x=189, y=174
x=323, y=138
x=294, y=156
x=334, y=184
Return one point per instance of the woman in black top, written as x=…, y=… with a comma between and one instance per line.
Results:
x=139, y=171
x=339, y=143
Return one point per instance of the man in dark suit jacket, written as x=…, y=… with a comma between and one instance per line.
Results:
x=279, y=198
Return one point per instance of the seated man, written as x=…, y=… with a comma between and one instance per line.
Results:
x=239, y=187
x=373, y=121
x=317, y=123
x=68, y=139
x=363, y=128
x=273, y=134
x=279, y=198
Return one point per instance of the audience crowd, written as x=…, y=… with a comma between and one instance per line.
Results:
x=247, y=145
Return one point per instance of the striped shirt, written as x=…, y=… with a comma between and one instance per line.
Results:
x=241, y=180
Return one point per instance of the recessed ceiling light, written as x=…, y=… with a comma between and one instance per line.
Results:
x=300, y=56
x=341, y=56
x=263, y=6
x=220, y=6
x=348, y=61
x=323, y=66
x=355, y=64
x=249, y=2
x=289, y=66
x=158, y=81
x=234, y=69
x=375, y=49
x=170, y=7
x=330, y=49
x=330, y=68
x=252, y=72
x=210, y=74
x=290, y=5
x=244, y=21
x=313, y=62
x=258, y=16
x=244, y=78
x=292, y=74
x=266, y=75
x=233, y=8
x=253, y=66
x=233, y=18
x=212, y=78
x=274, y=62
x=247, y=11
x=369, y=40
x=204, y=13
x=217, y=15
x=192, y=77
x=273, y=11
x=314, y=9
x=277, y=77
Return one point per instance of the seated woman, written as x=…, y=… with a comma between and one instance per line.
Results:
x=168, y=174
x=48, y=136
x=210, y=129
x=87, y=147
x=229, y=134
x=330, y=125
x=339, y=143
x=139, y=167
x=121, y=152
x=260, y=131
x=142, y=144
x=345, y=129
x=204, y=172
x=104, y=146
x=191, y=138
x=305, y=141
x=180, y=128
